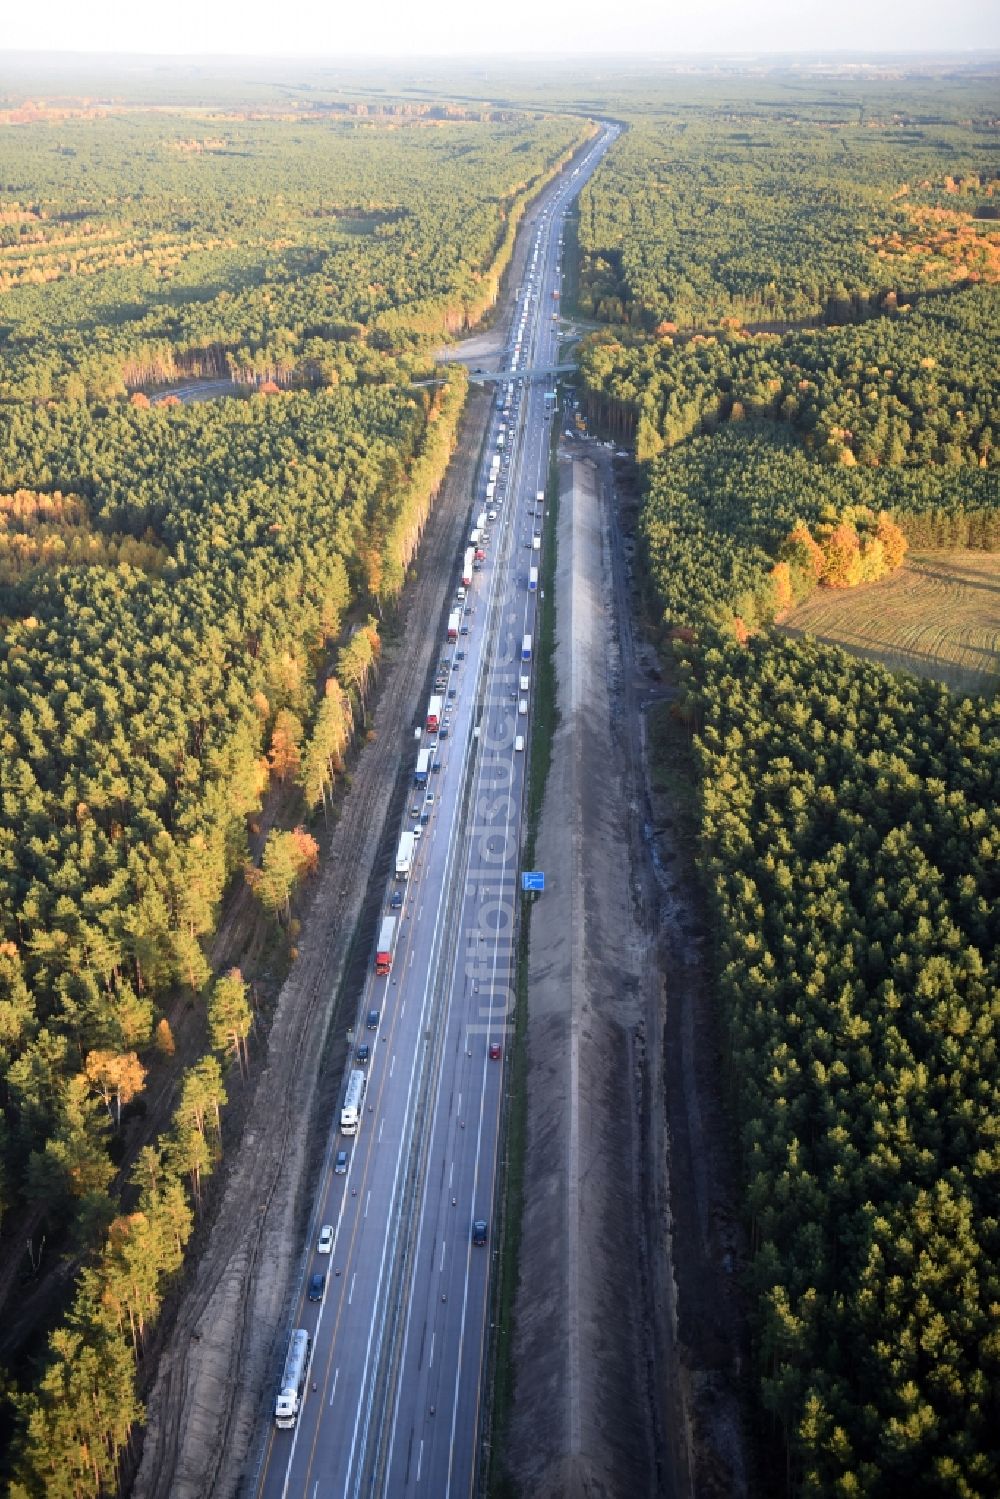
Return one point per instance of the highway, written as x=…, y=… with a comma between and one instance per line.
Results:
x=399, y=1338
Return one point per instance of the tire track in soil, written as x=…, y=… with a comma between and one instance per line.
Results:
x=224, y=1345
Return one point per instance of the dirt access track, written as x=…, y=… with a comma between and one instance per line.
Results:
x=623, y=1274
x=206, y=1410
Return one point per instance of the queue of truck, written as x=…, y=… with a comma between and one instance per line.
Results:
x=295, y=1371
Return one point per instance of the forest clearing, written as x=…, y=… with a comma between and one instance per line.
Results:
x=938, y=616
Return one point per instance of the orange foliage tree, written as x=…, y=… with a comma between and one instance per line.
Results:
x=842, y=558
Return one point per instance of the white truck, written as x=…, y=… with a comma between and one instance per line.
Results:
x=289, y=1399
x=468, y=560
x=404, y=856
x=350, y=1113
x=481, y=521
x=533, y=580
x=524, y=682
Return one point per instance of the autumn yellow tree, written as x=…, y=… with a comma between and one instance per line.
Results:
x=286, y=737
x=115, y=1076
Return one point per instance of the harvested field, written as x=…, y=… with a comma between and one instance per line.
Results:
x=938, y=616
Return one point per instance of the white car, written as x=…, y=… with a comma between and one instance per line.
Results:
x=325, y=1242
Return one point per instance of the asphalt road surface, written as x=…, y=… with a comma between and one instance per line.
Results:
x=399, y=1338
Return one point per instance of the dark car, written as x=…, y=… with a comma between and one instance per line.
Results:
x=362, y=1054
x=372, y=1021
x=317, y=1286
x=436, y=765
x=396, y=901
x=459, y=655
x=464, y=630
x=479, y=1231
x=340, y=1164
x=443, y=731
x=453, y=692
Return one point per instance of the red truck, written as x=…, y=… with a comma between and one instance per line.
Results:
x=383, y=953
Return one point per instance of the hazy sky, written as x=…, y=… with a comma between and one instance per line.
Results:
x=341, y=28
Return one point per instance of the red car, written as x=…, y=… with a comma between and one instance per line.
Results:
x=495, y=1051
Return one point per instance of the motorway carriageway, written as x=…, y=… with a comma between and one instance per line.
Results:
x=400, y=1337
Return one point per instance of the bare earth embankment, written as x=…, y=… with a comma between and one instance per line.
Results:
x=583, y=1421
x=629, y=1343
x=938, y=616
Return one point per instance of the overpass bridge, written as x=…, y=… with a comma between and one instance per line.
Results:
x=531, y=372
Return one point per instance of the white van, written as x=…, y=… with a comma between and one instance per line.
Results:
x=536, y=544
x=522, y=706
x=525, y=681
x=460, y=595
x=519, y=743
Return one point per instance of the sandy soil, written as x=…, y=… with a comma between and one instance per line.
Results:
x=629, y=1342
x=584, y=1420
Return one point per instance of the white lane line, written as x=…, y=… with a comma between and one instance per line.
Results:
x=380, y=1129
x=459, y=1103
x=412, y=956
x=521, y=418
x=336, y=1376
x=402, y=1009
x=421, y=911
x=392, y=1066
x=451, y=1174
x=366, y=1396
x=420, y=1458
x=430, y=1361
x=441, y=1266
x=367, y=1203
x=350, y=1297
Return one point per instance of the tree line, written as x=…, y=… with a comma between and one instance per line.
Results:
x=848, y=839
x=705, y=213
x=318, y=251
x=913, y=387
x=192, y=600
